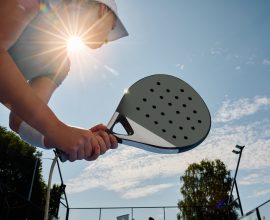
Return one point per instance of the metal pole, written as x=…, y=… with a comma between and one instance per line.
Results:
x=67, y=214
x=236, y=171
x=32, y=182
x=100, y=214
x=258, y=214
x=132, y=214
x=234, y=179
x=164, y=213
x=240, y=204
x=47, y=204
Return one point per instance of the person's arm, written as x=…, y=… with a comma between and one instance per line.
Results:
x=44, y=87
x=23, y=101
x=15, y=91
x=26, y=104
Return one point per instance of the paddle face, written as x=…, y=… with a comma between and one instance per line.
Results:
x=163, y=114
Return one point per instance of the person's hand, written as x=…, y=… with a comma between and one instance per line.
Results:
x=80, y=143
x=106, y=141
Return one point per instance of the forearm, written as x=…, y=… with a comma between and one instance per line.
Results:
x=15, y=91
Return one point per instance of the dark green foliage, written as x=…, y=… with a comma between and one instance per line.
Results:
x=206, y=187
x=56, y=195
x=17, y=164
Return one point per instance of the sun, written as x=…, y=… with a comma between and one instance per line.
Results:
x=74, y=44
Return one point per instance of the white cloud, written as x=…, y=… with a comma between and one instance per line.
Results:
x=266, y=62
x=243, y=107
x=259, y=193
x=255, y=178
x=218, y=51
x=145, y=191
x=127, y=170
x=238, y=68
x=250, y=62
x=180, y=66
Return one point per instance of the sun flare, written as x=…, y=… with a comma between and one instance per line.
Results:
x=74, y=44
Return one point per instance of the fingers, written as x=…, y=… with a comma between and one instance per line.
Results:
x=99, y=147
x=102, y=145
x=81, y=153
x=88, y=150
x=72, y=156
x=99, y=127
x=114, y=142
x=95, y=150
x=105, y=136
x=109, y=139
x=89, y=145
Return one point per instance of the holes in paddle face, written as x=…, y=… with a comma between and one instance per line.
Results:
x=170, y=102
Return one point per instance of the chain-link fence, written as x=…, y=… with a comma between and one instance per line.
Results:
x=114, y=213
x=260, y=213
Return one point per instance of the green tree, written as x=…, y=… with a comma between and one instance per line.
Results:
x=206, y=188
x=17, y=163
x=56, y=195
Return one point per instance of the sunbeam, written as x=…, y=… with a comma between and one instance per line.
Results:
x=66, y=31
x=74, y=44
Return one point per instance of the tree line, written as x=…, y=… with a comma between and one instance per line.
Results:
x=17, y=163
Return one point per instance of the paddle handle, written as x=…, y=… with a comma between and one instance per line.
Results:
x=62, y=155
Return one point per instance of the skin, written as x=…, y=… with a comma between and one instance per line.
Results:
x=28, y=101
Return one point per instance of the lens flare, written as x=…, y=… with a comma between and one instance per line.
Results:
x=126, y=91
x=74, y=44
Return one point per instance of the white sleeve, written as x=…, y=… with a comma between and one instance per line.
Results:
x=31, y=135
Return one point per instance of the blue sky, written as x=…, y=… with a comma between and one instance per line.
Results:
x=222, y=49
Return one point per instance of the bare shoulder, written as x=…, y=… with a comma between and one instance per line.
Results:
x=15, y=16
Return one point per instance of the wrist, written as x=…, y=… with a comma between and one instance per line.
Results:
x=52, y=137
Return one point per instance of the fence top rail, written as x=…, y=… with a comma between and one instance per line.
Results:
x=125, y=207
x=263, y=203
